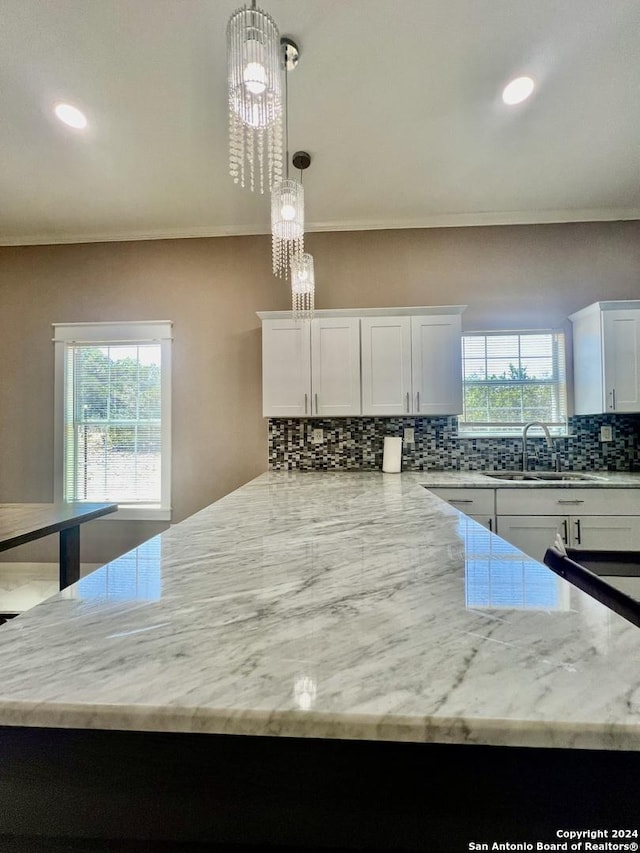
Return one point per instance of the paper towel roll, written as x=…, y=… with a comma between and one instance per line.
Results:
x=392, y=455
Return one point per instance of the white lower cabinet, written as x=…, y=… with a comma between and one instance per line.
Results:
x=589, y=519
x=478, y=504
x=487, y=521
x=605, y=533
x=535, y=534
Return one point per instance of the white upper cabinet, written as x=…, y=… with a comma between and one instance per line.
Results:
x=621, y=333
x=286, y=368
x=436, y=359
x=310, y=367
x=335, y=366
x=411, y=365
x=376, y=361
x=386, y=365
x=606, y=357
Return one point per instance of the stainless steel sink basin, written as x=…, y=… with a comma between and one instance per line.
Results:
x=566, y=475
x=540, y=476
x=512, y=475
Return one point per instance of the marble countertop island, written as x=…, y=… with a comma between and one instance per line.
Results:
x=329, y=605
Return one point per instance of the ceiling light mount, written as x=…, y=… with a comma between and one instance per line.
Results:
x=301, y=160
x=290, y=53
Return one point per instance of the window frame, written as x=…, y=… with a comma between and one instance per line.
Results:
x=559, y=431
x=103, y=333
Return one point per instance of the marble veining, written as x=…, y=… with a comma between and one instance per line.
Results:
x=337, y=605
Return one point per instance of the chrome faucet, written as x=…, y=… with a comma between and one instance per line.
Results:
x=547, y=435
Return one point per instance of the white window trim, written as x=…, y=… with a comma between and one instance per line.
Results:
x=517, y=428
x=156, y=331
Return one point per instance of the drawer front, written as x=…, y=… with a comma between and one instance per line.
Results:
x=545, y=501
x=470, y=501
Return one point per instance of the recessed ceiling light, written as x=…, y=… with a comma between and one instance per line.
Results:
x=71, y=116
x=517, y=90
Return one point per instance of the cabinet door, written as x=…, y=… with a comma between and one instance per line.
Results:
x=386, y=365
x=622, y=360
x=487, y=521
x=335, y=366
x=605, y=532
x=286, y=368
x=436, y=364
x=532, y=534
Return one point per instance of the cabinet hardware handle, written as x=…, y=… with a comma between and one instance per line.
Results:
x=565, y=532
x=461, y=501
x=613, y=394
x=490, y=525
x=578, y=531
x=574, y=501
x=317, y=412
x=417, y=401
x=407, y=402
x=305, y=403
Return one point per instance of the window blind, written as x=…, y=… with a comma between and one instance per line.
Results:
x=512, y=378
x=112, y=422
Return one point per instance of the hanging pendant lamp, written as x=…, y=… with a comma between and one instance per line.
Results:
x=303, y=287
x=255, y=98
x=287, y=224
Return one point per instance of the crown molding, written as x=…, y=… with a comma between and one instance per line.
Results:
x=446, y=220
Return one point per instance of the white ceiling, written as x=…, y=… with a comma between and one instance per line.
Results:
x=398, y=102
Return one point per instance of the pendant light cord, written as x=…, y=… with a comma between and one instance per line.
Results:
x=286, y=108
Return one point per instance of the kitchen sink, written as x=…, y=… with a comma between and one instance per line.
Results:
x=566, y=475
x=541, y=476
x=512, y=475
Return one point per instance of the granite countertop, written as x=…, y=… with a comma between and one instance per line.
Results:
x=347, y=605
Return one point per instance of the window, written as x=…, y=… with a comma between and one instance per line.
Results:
x=113, y=416
x=511, y=378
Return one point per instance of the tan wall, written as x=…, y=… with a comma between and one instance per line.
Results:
x=520, y=276
x=211, y=290
x=515, y=276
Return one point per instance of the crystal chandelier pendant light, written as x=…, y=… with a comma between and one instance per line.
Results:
x=287, y=224
x=303, y=286
x=254, y=62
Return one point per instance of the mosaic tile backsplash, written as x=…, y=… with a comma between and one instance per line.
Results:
x=355, y=444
